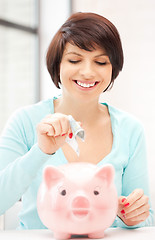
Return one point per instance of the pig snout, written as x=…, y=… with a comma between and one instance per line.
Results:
x=80, y=207
x=80, y=202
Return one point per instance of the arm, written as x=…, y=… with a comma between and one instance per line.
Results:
x=135, y=208
x=18, y=163
x=21, y=157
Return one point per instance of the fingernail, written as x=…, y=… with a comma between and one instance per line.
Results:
x=123, y=212
x=127, y=204
x=70, y=135
x=123, y=200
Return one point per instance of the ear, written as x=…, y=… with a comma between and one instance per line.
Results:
x=106, y=173
x=51, y=176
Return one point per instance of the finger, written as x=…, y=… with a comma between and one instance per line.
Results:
x=60, y=123
x=65, y=126
x=57, y=127
x=139, y=203
x=121, y=199
x=140, y=217
x=133, y=197
x=55, y=123
x=44, y=128
x=137, y=212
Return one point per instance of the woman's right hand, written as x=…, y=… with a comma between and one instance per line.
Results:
x=52, y=132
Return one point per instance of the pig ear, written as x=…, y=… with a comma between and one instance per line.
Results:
x=52, y=175
x=106, y=173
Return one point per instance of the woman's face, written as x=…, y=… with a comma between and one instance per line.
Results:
x=84, y=73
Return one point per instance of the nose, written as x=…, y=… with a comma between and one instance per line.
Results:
x=80, y=202
x=86, y=70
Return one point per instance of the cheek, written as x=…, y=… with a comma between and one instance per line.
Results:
x=65, y=72
x=62, y=75
x=108, y=73
x=58, y=202
x=101, y=201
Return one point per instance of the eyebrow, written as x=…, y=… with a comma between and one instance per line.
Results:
x=73, y=53
x=78, y=54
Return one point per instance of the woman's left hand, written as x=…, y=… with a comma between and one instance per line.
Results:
x=134, y=208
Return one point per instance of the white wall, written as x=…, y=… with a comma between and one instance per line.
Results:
x=52, y=16
x=134, y=89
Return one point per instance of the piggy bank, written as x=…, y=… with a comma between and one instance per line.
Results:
x=77, y=199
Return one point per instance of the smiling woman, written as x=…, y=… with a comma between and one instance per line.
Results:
x=89, y=71
x=84, y=58
x=92, y=31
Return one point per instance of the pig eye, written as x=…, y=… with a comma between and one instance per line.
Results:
x=96, y=192
x=63, y=192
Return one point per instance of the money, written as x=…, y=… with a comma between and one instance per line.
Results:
x=77, y=131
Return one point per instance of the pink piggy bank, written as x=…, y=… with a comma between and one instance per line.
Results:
x=77, y=199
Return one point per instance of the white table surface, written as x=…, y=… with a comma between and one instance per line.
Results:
x=146, y=233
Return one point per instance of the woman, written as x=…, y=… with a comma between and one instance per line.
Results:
x=84, y=58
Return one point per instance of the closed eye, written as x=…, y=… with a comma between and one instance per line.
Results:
x=101, y=63
x=74, y=61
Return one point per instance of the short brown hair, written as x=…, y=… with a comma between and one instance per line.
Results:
x=85, y=30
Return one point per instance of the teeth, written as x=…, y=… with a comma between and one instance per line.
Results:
x=86, y=85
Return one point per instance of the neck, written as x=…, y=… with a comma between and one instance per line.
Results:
x=80, y=110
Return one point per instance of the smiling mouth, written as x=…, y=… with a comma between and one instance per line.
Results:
x=86, y=85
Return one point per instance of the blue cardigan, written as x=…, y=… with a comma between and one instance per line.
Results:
x=22, y=162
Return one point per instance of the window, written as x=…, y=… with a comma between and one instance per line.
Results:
x=19, y=56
